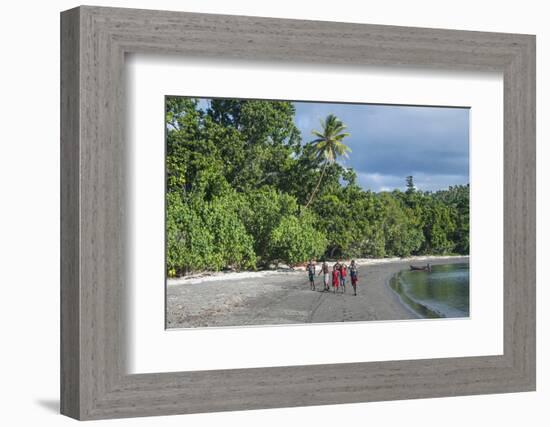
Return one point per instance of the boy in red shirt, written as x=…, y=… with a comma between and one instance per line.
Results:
x=335, y=278
x=343, y=274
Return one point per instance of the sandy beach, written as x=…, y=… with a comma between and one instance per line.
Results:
x=284, y=297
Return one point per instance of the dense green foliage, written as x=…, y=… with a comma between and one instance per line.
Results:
x=245, y=191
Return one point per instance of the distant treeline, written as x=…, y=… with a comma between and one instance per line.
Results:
x=245, y=191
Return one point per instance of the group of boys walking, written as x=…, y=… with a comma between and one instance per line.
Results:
x=339, y=274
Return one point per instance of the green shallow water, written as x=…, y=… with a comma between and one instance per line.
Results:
x=443, y=292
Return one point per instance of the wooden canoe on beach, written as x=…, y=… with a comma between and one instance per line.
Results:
x=426, y=267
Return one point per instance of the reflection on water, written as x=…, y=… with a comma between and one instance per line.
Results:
x=443, y=292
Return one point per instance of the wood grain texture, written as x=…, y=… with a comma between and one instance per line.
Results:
x=94, y=382
x=70, y=259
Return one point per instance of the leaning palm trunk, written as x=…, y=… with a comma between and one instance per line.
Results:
x=317, y=186
x=329, y=146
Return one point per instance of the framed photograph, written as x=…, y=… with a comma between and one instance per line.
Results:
x=261, y=213
x=258, y=211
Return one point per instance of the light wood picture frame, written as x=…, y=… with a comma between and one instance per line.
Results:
x=94, y=379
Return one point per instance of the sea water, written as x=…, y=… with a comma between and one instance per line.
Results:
x=442, y=292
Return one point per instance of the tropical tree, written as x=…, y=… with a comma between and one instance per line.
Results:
x=238, y=178
x=329, y=146
x=295, y=239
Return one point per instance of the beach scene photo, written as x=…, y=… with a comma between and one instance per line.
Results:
x=297, y=212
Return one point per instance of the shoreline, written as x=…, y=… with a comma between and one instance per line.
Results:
x=431, y=310
x=284, y=297
x=207, y=276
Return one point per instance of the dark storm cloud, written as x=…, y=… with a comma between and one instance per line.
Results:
x=391, y=142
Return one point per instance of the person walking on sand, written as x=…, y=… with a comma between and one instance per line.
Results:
x=337, y=267
x=311, y=272
x=326, y=276
x=343, y=274
x=335, y=278
x=353, y=272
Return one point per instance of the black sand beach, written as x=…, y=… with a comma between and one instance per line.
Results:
x=284, y=297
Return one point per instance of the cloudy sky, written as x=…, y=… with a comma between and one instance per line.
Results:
x=389, y=143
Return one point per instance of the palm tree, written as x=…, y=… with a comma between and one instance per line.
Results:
x=329, y=146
